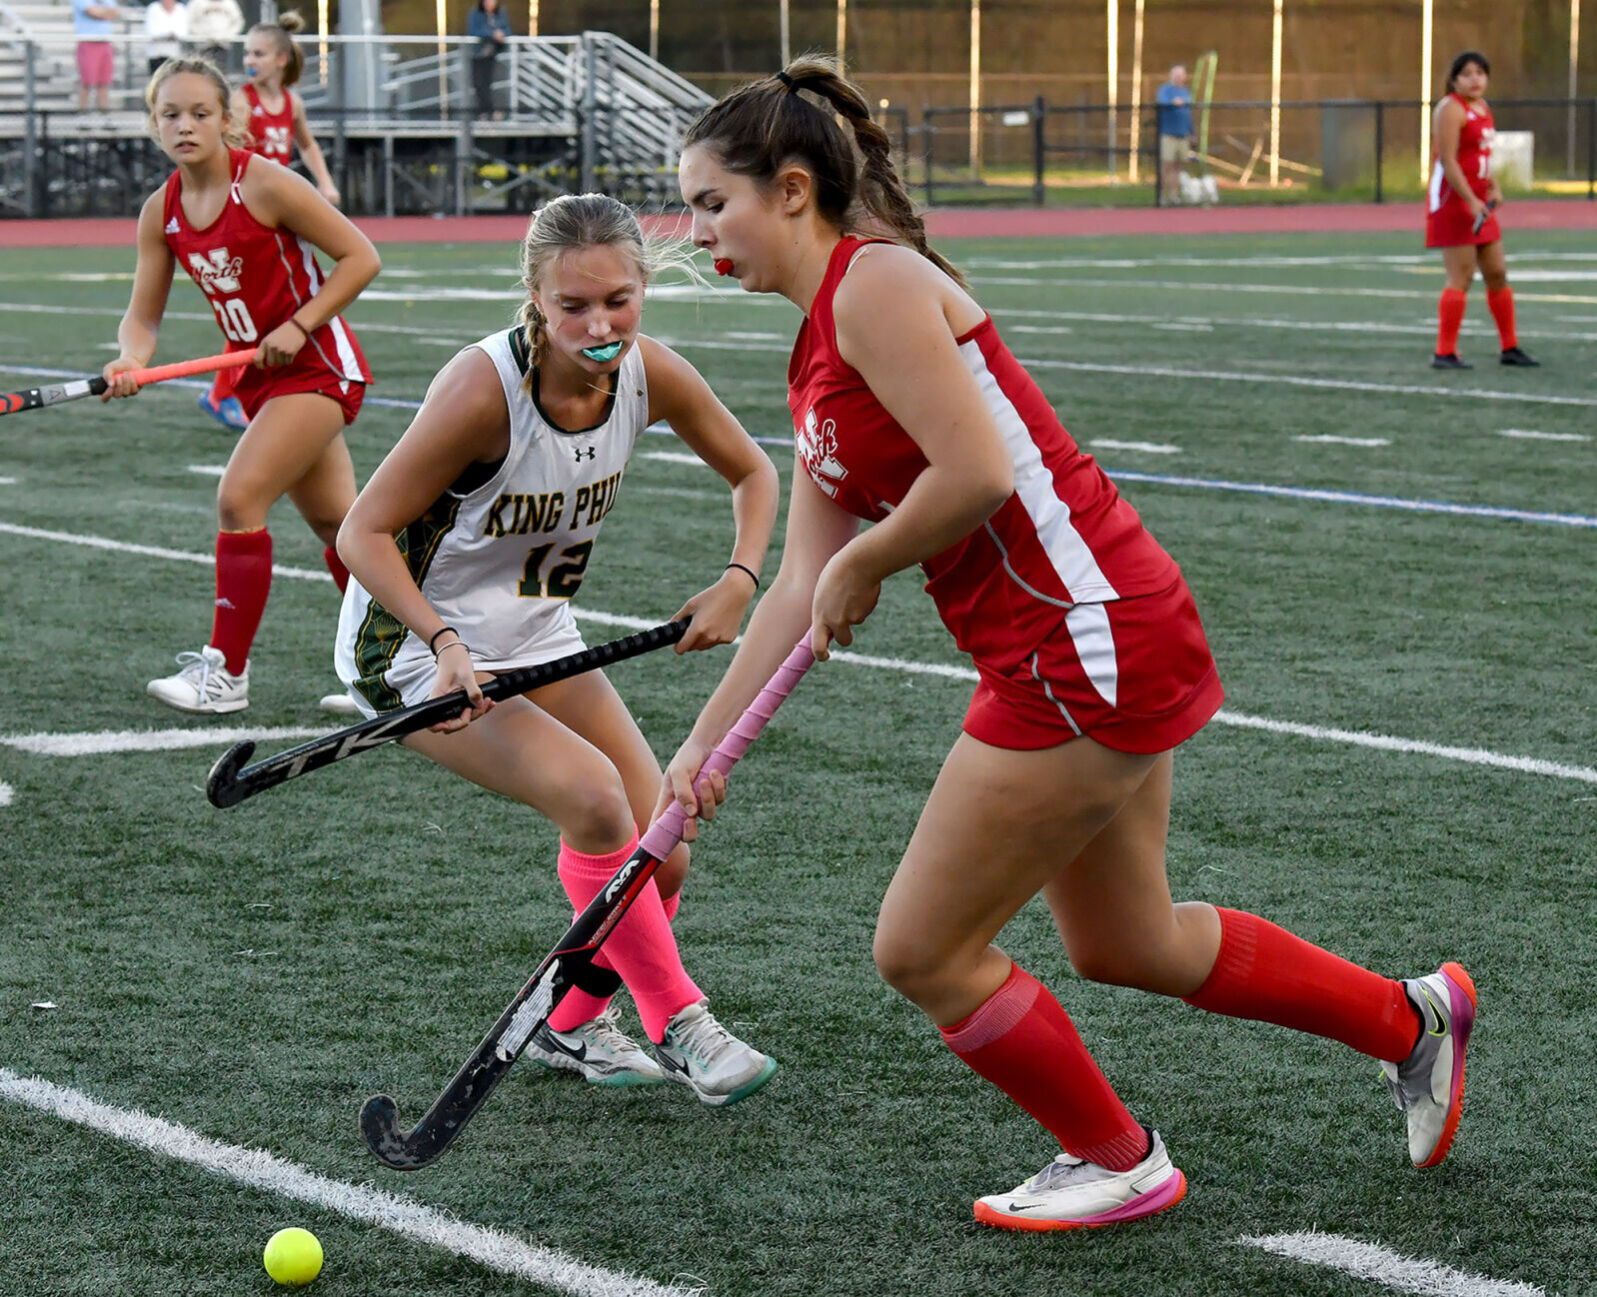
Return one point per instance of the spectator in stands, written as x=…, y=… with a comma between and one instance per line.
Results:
x=213, y=24
x=1175, y=133
x=166, y=27
x=92, y=24
x=489, y=26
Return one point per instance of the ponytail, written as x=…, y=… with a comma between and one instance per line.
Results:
x=281, y=34
x=760, y=127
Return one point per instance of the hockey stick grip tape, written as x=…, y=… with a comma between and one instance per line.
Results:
x=666, y=832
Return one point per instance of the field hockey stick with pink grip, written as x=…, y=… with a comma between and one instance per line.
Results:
x=36, y=398
x=562, y=967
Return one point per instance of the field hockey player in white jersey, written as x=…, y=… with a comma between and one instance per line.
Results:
x=467, y=547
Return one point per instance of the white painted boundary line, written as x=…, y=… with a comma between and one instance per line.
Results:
x=1369, y=1261
x=1470, y=756
x=5, y=794
x=1528, y=435
x=260, y=1170
x=99, y=742
x=1146, y=447
x=1331, y=439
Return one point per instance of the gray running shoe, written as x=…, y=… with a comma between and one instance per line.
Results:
x=1429, y=1084
x=203, y=685
x=699, y=1052
x=598, y=1050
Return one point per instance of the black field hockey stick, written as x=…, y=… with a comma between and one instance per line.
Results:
x=379, y=1118
x=36, y=398
x=1480, y=221
x=230, y=781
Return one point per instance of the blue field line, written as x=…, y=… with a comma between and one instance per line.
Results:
x=1118, y=474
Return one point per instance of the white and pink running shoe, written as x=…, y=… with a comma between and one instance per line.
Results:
x=1070, y=1193
x=1428, y=1085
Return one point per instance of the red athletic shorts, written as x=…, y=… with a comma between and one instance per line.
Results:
x=255, y=387
x=1451, y=226
x=96, y=63
x=1134, y=674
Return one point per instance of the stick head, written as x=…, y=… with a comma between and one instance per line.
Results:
x=222, y=785
x=379, y=1127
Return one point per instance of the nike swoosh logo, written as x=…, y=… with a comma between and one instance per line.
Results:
x=552, y=1041
x=1023, y=1206
x=1439, y=1023
x=665, y=1060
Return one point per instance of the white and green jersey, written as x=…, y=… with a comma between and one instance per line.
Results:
x=501, y=552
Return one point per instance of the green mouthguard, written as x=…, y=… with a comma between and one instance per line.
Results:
x=609, y=351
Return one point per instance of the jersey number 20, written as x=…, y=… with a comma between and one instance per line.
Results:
x=234, y=317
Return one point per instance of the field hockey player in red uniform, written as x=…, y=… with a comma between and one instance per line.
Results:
x=909, y=411
x=247, y=231
x=1460, y=214
x=468, y=545
x=274, y=124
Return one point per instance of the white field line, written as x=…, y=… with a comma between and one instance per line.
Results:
x=5, y=794
x=100, y=742
x=8, y=481
x=1424, y=328
x=672, y=457
x=1290, y=290
x=1332, y=440
x=1361, y=260
x=1527, y=434
x=260, y=1170
x=1370, y=1261
x=1145, y=447
x=208, y=470
x=1358, y=738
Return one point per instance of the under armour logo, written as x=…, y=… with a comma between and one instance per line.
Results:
x=589, y=453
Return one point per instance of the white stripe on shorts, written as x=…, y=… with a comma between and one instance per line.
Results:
x=1088, y=624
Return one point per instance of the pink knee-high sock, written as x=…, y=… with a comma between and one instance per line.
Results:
x=1265, y=973
x=579, y=1005
x=1022, y=1041
x=641, y=948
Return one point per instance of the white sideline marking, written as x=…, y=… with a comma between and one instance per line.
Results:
x=151, y=551
x=8, y=481
x=672, y=457
x=1528, y=435
x=1178, y=326
x=98, y=742
x=1470, y=756
x=5, y=794
x=1422, y=328
x=1296, y=290
x=258, y=1169
x=1369, y=1261
x=1331, y=439
x=208, y=470
x=1146, y=447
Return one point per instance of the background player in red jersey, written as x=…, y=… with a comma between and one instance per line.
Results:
x=274, y=124
x=1459, y=215
x=246, y=231
x=909, y=411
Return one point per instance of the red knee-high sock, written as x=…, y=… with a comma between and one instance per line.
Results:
x=582, y=1004
x=1025, y=1044
x=335, y=565
x=222, y=385
x=1450, y=319
x=641, y=948
x=1264, y=972
x=243, y=580
x=1501, y=302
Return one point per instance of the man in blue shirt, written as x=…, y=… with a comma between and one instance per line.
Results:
x=1175, y=132
x=92, y=23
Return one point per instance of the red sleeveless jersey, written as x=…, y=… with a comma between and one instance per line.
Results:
x=1474, y=155
x=271, y=134
x=1065, y=537
x=255, y=278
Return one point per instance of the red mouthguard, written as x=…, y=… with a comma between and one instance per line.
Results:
x=723, y=266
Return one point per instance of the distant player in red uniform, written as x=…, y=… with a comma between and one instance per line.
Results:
x=275, y=123
x=246, y=231
x=1462, y=193
x=911, y=412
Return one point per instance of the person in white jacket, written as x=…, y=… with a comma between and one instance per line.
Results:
x=213, y=25
x=166, y=27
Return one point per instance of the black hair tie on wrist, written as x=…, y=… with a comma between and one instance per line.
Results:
x=752, y=574
x=436, y=634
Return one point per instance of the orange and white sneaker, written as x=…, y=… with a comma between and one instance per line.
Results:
x=1429, y=1084
x=1070, y=1193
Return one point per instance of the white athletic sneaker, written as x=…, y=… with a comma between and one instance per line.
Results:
x=1429, y=1084
x=203, y=684
x=597, y=1050
x=339, y=705
x=1069, y=1193
x=699, y=1052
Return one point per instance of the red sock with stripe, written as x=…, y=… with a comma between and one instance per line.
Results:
x=1501, y=302
x=335, y=565
x=641, y=948
x=1022, y=1041
x=1265, y=973
x=1450, y=319
x=584, y=1004
x=243, y=580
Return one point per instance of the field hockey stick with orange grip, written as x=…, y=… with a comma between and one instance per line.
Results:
x=564, y=965
x=36, y=398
